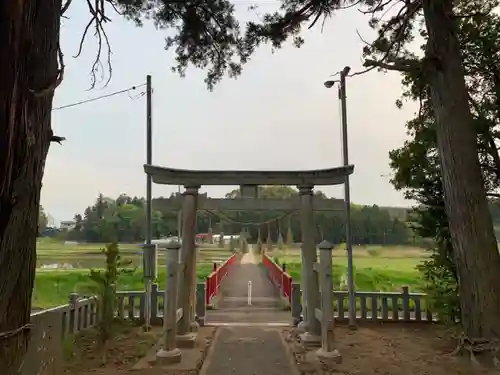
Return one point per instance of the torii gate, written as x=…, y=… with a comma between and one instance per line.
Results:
x=191, y=201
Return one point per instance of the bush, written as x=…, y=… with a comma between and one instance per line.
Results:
x=374, y=252
x=442, y=287
x=105, y=284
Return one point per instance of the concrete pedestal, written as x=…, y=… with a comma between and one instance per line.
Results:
x=186, y=341
x=168, y=357
x=309, y=340
x=332, y=357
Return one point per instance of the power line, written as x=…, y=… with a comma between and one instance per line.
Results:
x=98, y=97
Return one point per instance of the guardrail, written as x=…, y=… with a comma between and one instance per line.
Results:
x=280, y=278
x=214, y=280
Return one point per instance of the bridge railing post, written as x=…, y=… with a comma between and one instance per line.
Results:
x=169, y=353
x=327, y=316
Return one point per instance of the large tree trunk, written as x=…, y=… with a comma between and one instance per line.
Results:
x=471, y=227
x=29, y=33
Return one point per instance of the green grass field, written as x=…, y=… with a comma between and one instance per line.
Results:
x=377, y=268
x=53, y=286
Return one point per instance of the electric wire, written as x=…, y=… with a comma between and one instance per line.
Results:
x=127, y=90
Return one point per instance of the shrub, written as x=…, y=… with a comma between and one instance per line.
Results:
x=105, y=285
x=374, y=252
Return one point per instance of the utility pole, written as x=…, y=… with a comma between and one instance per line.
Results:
x=347, y=194
x=347, y=199
x=149, y=250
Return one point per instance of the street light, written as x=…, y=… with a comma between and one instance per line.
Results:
x=347, y=192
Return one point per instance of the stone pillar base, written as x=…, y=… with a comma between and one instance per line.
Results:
x=186, y=341
x=352, y=327
x=302, y=326
x=168, y=357
x=200, y=321
x=194, y=326
x=332, y=357
x=309, y=340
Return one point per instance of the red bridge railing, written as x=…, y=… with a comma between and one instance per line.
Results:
x=279, y=277
x=214, y=280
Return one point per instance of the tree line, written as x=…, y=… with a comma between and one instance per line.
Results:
x=124, y=219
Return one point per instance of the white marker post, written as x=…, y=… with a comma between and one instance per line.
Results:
x=249, y=292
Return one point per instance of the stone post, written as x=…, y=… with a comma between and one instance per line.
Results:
x=327, y=349
x=186, y=338
x=193, y=324
x=269, y=242
x=150, y=260
x=302, y=326
x=210, y=230
x=312, y=332
x=231, y=244
x=296, y=307
x=201, y=307
x=169, y=353
x=259, y=240
x=222, y=244
x=242, y=242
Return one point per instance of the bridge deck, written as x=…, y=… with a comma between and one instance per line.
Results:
x=249, y=344
x=233, y=305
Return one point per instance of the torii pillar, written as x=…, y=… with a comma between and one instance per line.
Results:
x=185, y=335
x=312, y=334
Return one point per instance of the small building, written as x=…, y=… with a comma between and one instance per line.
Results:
x=67, y=225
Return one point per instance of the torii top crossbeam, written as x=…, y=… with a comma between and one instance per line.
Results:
x=317, y=177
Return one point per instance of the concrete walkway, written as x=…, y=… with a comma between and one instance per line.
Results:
x=248, y=351
x=249, y=345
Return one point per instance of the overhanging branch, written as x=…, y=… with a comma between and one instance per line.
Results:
x=399, y=65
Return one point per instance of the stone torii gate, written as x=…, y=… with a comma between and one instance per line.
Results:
x=190, y=201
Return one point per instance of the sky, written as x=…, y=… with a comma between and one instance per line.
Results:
x=277, y=115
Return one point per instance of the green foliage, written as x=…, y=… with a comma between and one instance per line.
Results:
x=208, y=35
x=123, y=219
x=106, y=284
x=442, y=287
x=42, y=220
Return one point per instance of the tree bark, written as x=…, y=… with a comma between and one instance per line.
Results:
x=471, y=227
x=29, y=34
